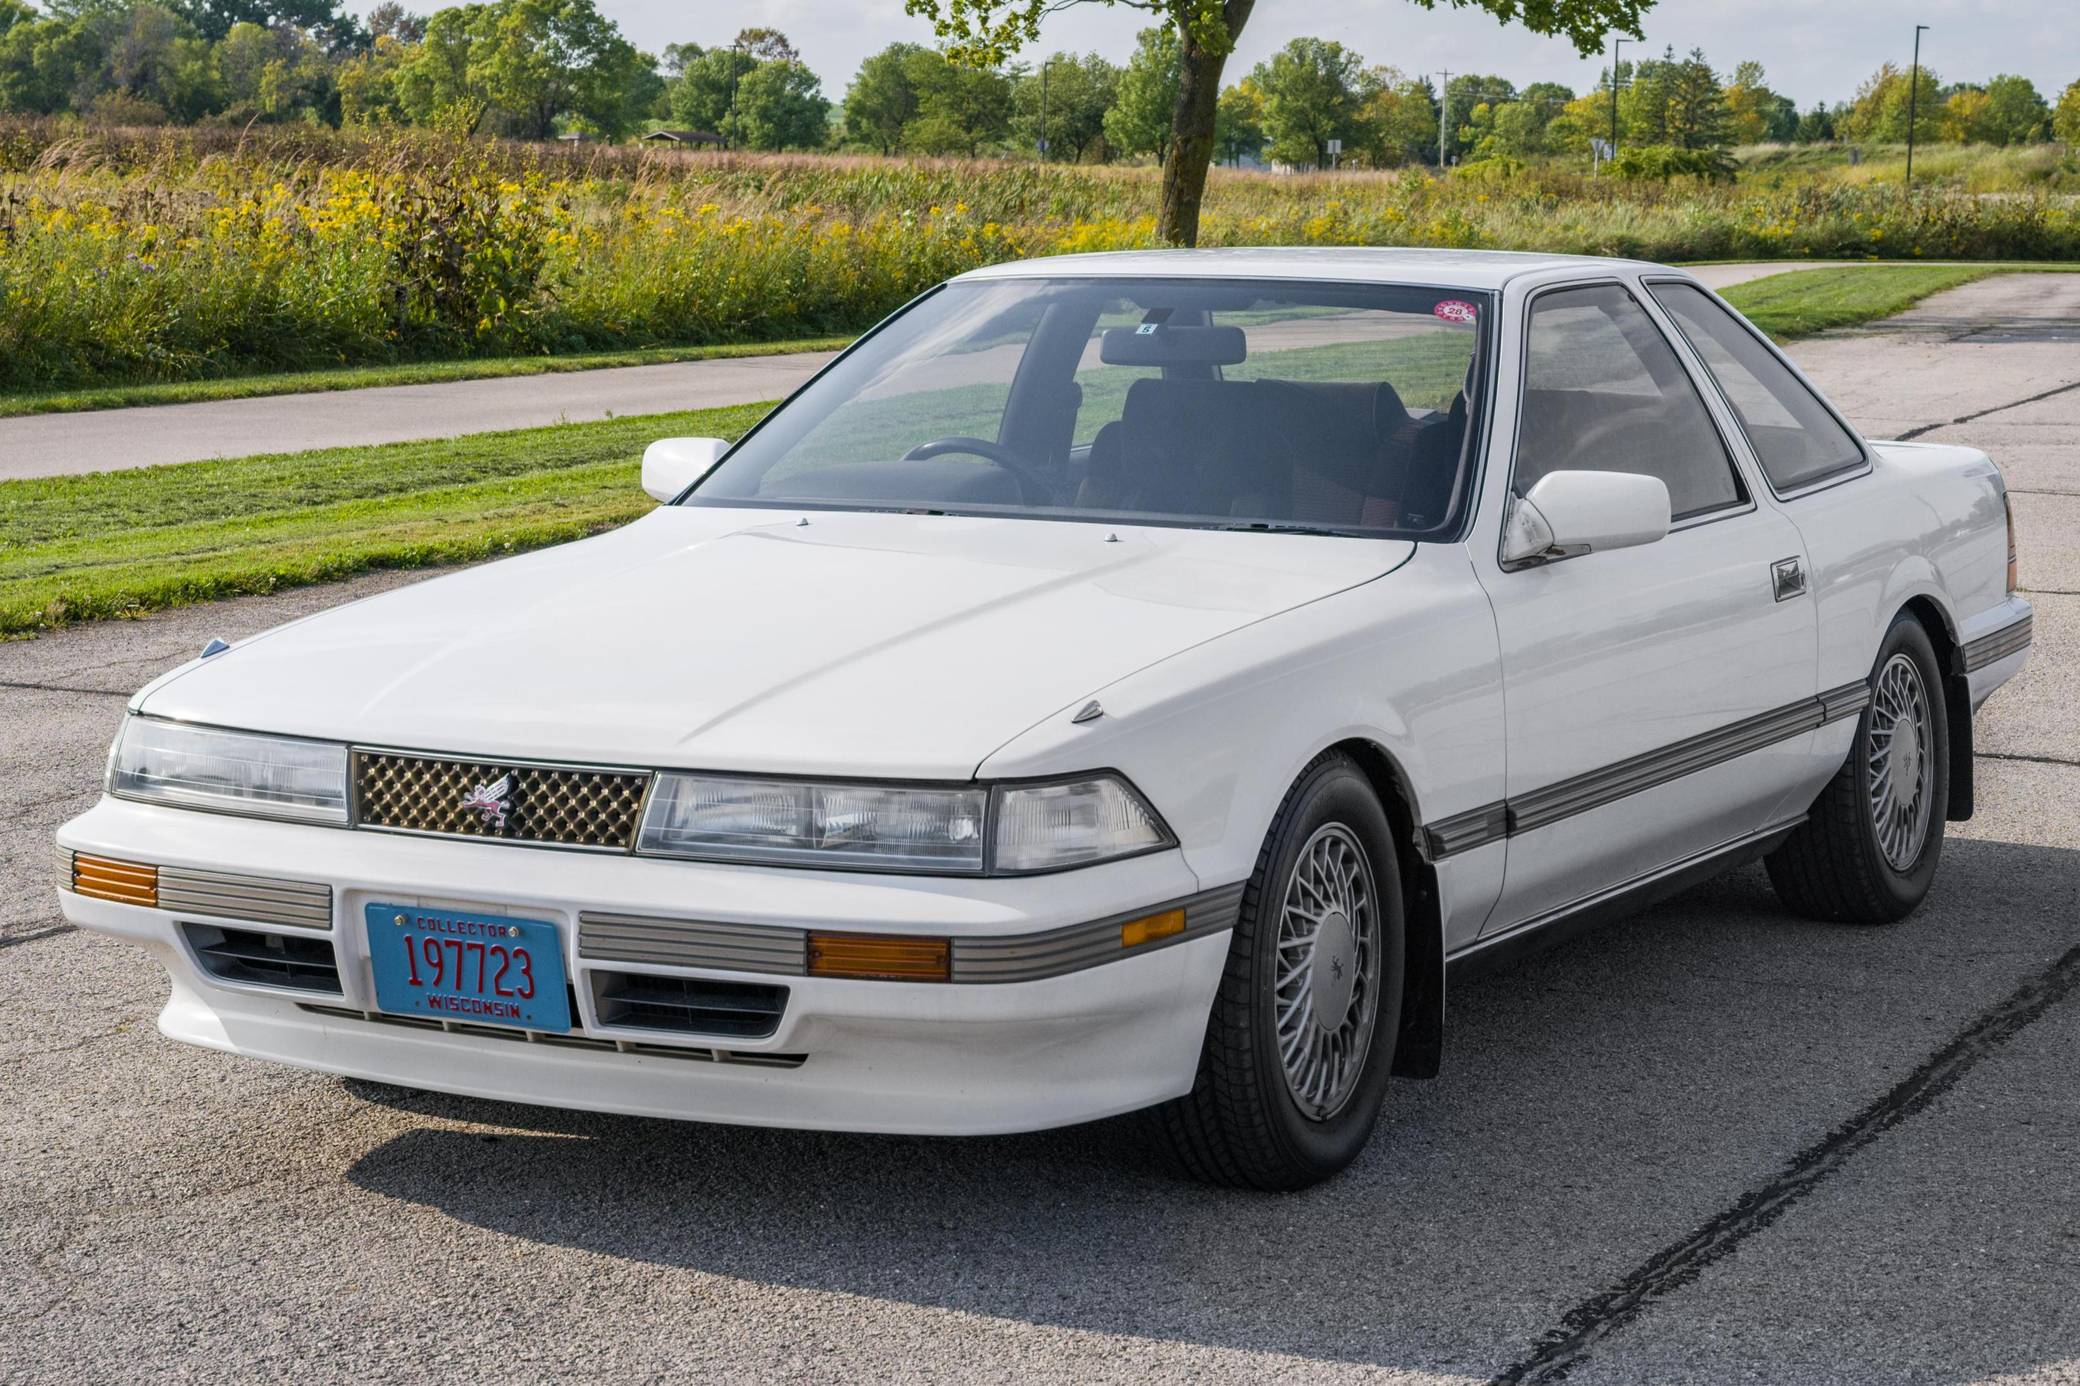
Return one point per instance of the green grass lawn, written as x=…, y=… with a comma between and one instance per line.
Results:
x=113, y=544
x=1802, y=302
x=15, y=404
x=84, y=548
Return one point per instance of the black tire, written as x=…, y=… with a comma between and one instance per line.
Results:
x=1241, y=1124
x=1833, y=866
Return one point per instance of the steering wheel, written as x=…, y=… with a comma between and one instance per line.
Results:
x=1032, y=487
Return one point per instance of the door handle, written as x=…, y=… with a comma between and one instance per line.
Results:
x=1787, y=578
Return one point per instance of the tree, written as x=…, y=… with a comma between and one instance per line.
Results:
x=525, y=64
x=2065, y=124
x=1313, y=91
x=1586, y=118
x=1146, y=97
x=1754, y=111
x=882, y=99
x=47, y=65
x=1697, y=114
x=959, y=109
x=781, y=106
x=1398, y=124
x=767, y=46
x=1064, y=104
x=708, y=87
x=2015, y=112
x=1238, y=123
x=214, y=19
x=13, y=12
x=987, y=32
x=1815, y=126
x=1879, y=112
x=368, y=87
x=392, y=20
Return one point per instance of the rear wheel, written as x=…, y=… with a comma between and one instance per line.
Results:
x=1301, y=1039
x=1868, y=849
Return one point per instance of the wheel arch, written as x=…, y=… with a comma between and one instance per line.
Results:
x=1934, y=618
x=1419, y=1048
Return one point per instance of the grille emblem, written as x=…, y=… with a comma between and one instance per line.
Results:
x=489, y=800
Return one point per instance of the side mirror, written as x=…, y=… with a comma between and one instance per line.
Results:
x=1571, y=513
x=670, y=465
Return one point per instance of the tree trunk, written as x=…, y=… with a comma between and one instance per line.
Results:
x=1191, y=128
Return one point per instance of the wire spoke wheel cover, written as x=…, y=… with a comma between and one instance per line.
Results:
x=1899, y=752
x=1327, y=983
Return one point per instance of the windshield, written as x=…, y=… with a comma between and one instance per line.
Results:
x=1229, y=403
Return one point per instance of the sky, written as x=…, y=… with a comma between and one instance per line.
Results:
x=1812, y=50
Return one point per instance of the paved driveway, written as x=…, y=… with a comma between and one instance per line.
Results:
x=1710, y=1144
x=63, y=444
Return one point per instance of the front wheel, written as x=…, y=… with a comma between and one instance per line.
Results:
x=1301, y=1040
x=1868, y=849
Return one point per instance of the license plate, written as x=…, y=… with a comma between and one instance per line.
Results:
x=484, y=969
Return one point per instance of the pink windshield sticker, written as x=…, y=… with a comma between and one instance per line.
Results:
x=1454, y=310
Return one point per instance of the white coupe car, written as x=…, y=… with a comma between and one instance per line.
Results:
x=1118, y=682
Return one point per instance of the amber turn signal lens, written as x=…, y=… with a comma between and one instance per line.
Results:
x=1136, y=932
x=880, y=957
x=125, y=882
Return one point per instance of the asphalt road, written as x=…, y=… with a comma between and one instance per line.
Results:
x=1710, y=1144
x=113, y=439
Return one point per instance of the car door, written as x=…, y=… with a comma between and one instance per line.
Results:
x=1658, y=698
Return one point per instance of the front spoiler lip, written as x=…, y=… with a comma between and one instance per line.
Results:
x=920, y=1059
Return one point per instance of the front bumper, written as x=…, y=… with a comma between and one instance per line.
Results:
x=948, y=1058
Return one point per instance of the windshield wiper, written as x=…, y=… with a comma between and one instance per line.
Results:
x=1280, y=527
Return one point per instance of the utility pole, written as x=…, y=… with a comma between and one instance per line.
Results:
x=1444, y=109
x=734, y=50
x=1043, y=106
x=1913, y=91
x=1617, y=46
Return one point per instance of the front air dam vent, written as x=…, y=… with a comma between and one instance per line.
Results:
x=266, y=960
x=688, y=1005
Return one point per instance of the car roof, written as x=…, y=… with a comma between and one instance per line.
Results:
x=1459, y=269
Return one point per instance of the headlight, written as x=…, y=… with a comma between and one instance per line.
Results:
x=1044, y=827
x=873, y=827
x=230, y=771
x=939, y=829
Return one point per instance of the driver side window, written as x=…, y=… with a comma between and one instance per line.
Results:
x=1604, y=391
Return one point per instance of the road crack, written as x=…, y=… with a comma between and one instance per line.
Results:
x=1570, y=1342
x=60, y=688
x=1982, y=413
x=51, y=932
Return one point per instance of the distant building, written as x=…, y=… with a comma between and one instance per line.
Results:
x=693, y=138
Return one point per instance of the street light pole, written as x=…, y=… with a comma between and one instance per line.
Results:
x=1913, y=92
x=1444, y=110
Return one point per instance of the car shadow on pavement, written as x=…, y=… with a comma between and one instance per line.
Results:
x=1598, y=1103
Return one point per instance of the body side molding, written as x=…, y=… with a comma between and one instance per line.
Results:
x=1593, y=789
x=2009, y=639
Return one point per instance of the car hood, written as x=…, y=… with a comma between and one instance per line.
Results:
x=731, y=639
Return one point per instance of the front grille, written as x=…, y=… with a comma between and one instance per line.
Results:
x=688, y=1005
x=562, y=806
x=269, y=960
x=262, y=899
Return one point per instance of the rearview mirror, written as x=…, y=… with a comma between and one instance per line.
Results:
x=670, y=465
x=1567, y=514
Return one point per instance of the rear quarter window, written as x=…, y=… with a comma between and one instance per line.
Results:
x=1795, y=436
